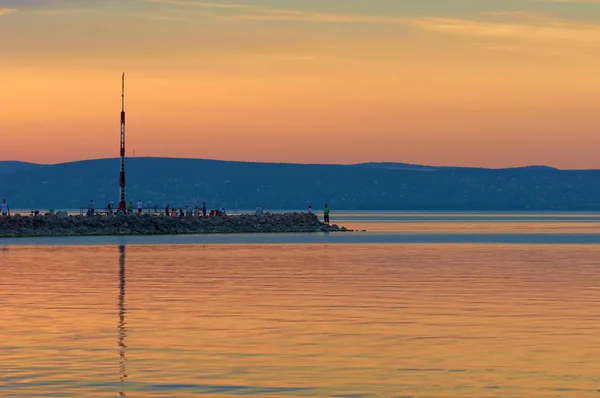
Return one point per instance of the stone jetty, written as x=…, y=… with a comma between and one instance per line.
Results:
x=62, y=224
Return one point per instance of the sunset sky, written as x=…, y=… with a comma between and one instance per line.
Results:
x=451, y=82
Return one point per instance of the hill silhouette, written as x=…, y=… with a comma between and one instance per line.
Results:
x=12, y=166
x=370, y=186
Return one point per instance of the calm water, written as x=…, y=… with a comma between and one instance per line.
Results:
x=423, y=305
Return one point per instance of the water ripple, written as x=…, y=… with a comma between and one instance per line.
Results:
x=348, y=320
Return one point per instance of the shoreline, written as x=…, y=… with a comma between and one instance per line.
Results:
x=135, y=224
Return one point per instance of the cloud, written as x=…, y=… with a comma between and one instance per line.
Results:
x=570, y=1
x=517, y=21
x=6, y=11
x=263, y=13
x=67, y=11
x=40, y=6
x=308, y=16
x=166, y=18
x=505, y=27
x=530, y=29
x=300, y=16
x=203, y=4
x=22, y=3
x=286, y=57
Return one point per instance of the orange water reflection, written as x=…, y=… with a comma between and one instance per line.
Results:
x=300, y=320
x=462, y=227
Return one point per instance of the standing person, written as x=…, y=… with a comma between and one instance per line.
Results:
x=326, y=211
x=259, y=211
x=140, y=206
x=196, y=212
x=130, y=207
x=109, y=209
x=91, y=208
x=203, y=209
x=310, y=209
x=5, y=209
x=167, y=211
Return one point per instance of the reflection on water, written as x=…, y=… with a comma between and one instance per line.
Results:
x=555, y=228
x=121, y=327
x=480, y=223
x=415, y=320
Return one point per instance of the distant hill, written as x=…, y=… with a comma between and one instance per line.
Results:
x=12, y=166
x=294, y=186
x=397, y=166
x=407, y=166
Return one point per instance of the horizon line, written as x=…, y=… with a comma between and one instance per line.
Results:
x=298, y=163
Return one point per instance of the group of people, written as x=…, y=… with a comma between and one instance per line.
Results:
x=110, y=210
x=189, y=212
x=326, y=211
x=169, y=211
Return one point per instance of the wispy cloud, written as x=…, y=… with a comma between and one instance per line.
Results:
x=24, y=4
x=285, y=57
x=570, y=1
x=166, y=18
x=520, y=16
x=250, y=12
x=203, y=4
x=530, y=29
x=6, y=11
x=308, y=16
x=508, y=26
x=48, y=7
x=264, y=13
x=67, y=11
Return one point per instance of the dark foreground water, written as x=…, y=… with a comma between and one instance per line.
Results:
x=311, y=317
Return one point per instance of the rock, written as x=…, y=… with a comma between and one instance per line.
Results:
x=62, y=224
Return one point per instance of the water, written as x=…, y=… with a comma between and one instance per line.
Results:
x=374, y=315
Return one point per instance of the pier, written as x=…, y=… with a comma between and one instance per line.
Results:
x=62, y=224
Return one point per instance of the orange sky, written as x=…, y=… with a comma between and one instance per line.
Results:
x=474, y=83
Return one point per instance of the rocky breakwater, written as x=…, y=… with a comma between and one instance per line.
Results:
x=146, y=224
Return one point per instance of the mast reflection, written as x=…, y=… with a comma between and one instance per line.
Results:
x=121, y=326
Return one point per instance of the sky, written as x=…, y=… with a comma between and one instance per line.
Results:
x=493, y=83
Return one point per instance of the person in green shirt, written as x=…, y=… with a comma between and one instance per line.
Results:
x=130, y=207
x=326, y=211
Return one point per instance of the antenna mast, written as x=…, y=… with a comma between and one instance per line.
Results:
x=122, y=203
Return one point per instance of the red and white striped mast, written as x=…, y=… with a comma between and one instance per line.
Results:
x=122, y=203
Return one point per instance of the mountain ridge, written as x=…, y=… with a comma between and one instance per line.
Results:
x=371, y=186
x=27, y=165
x=13, y=166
